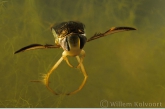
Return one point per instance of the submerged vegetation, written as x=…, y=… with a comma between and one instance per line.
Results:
x=127, y=67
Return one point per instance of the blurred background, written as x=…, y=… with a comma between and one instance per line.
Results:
x=127, y=66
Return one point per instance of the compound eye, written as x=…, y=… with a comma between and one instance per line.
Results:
x=55, y=36
x=80, y=31
x=54, y=33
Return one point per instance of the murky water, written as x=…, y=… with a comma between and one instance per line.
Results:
x=126, y=67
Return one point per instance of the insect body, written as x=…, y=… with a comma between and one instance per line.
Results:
x=71, y=37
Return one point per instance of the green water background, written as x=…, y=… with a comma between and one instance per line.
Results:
x=127, y=67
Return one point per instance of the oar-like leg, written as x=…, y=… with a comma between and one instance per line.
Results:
x=85, y=77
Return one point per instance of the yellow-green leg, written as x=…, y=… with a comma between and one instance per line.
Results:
x=85, y=77
x=82, y=54
x=46, y=76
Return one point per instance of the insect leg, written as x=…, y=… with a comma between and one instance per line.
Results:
x=67, y=61
x=46, y=76
x=82, y=54
x=85, y=77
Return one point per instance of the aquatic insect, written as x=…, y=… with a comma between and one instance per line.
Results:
x=71, y=37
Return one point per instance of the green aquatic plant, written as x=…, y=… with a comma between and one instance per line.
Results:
x=2, y=5
x=131, y=70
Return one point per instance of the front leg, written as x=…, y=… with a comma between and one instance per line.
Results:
x=64, y=54
x=82, y=54
x=67, y=61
